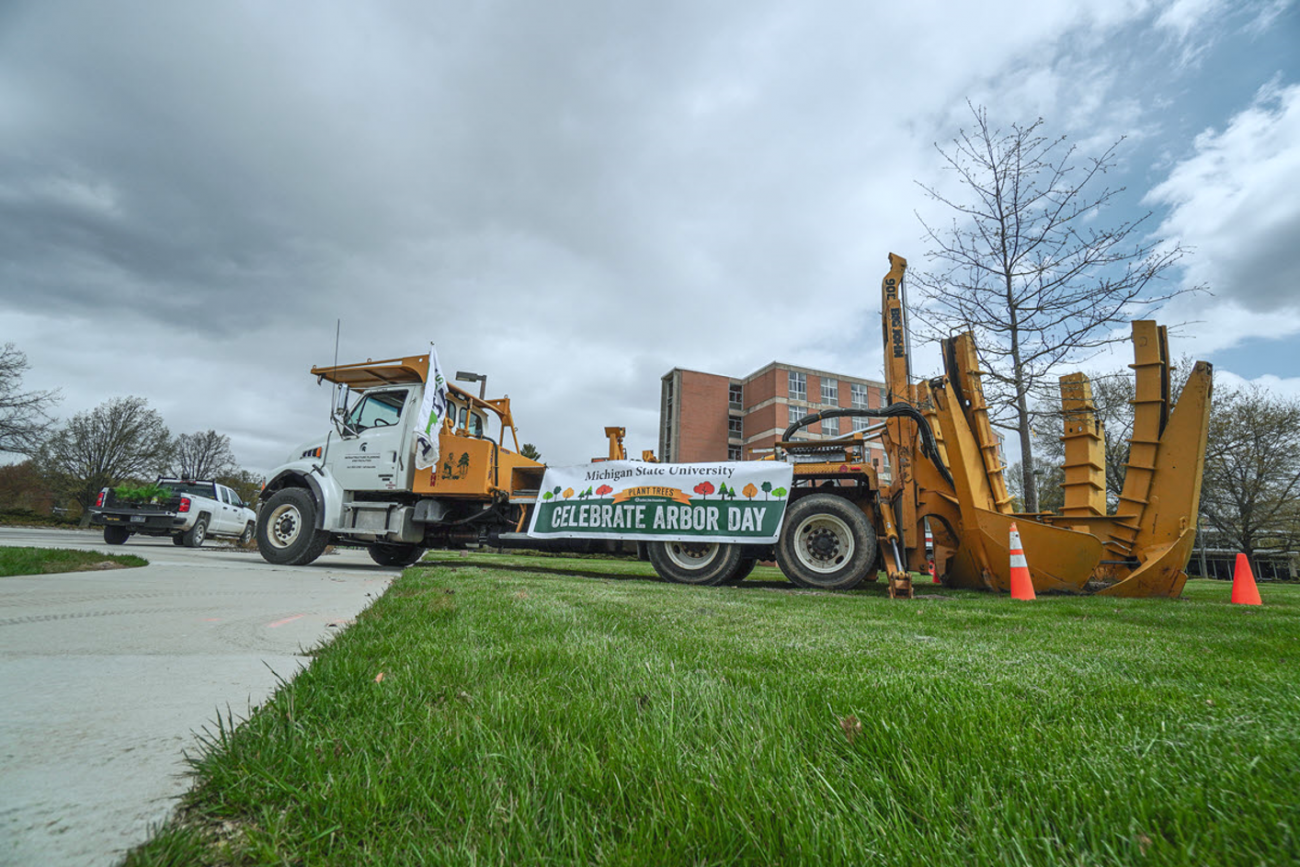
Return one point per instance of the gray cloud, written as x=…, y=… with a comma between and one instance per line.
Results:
x=572, y=198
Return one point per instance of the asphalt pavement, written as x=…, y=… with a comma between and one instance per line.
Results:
x=107, y=677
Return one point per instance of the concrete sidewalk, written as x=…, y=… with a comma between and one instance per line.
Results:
x=107, y=676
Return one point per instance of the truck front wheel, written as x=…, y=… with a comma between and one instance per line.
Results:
x=286, y=532
x=116, y=535
x=704, y=563
x=826, y=543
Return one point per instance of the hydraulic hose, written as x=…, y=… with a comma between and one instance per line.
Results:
x=929, y=446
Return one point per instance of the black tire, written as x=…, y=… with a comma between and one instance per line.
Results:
x=247, y=536
x=395, y=555
x=116, y=535
x=178, y=539
x=703, y=563
x=286, y=533
x=826, y=543
x=195, y=535
x=746, y=566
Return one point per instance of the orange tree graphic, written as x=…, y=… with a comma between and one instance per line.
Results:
x=750, y=491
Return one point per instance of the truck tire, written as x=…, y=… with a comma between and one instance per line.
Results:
x=395, y=555
x=287, y=535
x=116, y=535
x=703, y=563
x=746, y=566
x=195, y=535
x=826, y=543
x=247, y=536
x=178, y=539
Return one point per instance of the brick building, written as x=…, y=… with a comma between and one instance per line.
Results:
x=707, y=417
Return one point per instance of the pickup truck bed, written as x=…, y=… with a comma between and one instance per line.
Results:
x=195, y=511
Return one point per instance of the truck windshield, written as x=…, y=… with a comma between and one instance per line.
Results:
x=377, y=409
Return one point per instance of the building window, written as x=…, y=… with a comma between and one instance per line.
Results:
x=733, y=453
x=735, y=396
x=795, y=414
x=882, y=397
x=734, y=426
x=798, y=386
x=831, y=427
x=830, y=392
x=860, y=423
x=858, y=396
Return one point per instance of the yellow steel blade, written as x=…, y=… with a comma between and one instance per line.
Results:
x=1085, y=450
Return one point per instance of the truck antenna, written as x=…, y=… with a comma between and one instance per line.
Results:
x=334, y=394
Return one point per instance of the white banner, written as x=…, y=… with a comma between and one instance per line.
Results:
x=719, y=502
x=433, y=410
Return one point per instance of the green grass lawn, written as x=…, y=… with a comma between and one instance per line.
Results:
x=516, y=710
x=42, y=561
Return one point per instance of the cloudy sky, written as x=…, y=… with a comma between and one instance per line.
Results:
x=574, y=197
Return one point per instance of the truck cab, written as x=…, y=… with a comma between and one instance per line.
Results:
x=359, y=483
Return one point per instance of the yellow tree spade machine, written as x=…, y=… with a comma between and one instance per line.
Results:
x=947, y=474
x=823, y=515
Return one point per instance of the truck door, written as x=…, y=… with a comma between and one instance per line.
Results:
x=231, y=514
x=371, y=455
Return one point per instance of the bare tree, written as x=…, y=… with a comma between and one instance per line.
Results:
x=24, y=415
x=1029, y=267
x=203, y=455
x=1251, y=491
x=118, y=440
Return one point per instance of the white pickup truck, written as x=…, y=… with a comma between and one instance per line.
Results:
x=194, y=511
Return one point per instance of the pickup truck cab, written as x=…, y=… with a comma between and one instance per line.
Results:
x=195, y=510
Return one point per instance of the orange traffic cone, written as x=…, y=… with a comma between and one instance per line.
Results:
x=1022, y=586
x=1244, y=591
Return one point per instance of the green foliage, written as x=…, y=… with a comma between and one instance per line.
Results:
x=43, y=561
x=142, y=493
x=528, y=450
x=496, y=710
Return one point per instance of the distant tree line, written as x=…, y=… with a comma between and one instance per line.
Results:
x=121, y=440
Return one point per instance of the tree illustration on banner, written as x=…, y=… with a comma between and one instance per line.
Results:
x=568, y=492
x=750, y=491
x=548, y=495
x=767, y=489
x=779, y=492
x=603, y=490
x=704, y=488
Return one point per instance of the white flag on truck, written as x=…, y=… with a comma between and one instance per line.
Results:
x=433, y=410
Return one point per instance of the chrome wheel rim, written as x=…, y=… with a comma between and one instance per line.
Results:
x=284, y=526
x=692, y=555
x=823, y=543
